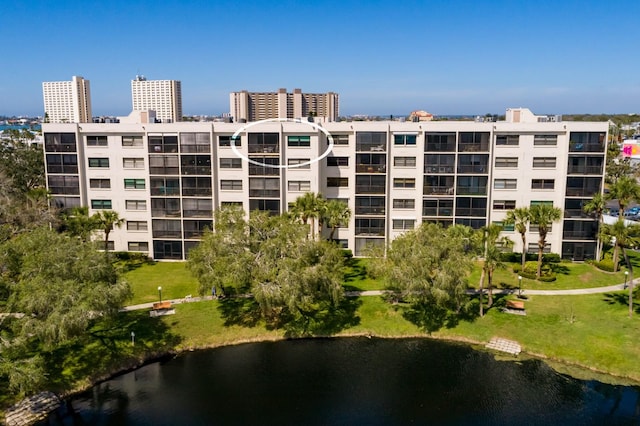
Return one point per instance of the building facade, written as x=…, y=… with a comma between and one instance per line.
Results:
x=167, y=179
x=67, y=101
x=254, y=106
x=162, y=96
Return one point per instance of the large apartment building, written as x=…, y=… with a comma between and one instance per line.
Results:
x=67, y=101
x=167, y=179
x=254, y=106
x=162, y=96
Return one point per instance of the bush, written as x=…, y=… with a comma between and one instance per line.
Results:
x=551, y=258
x=515, y=257
x=547, y=278
x=605, y=265
x=347, y=254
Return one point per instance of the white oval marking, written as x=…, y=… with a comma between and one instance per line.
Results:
x=281, y=166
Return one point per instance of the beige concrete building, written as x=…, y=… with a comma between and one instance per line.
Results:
x=67, y=101
x=254, y=106
x=162, y=96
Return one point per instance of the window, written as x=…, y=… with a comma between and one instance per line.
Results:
x=505, y=183
x=333, y=182
x=195, y=186
x=543, y=183
x=441, y=142
x=295, y=163
x=513, y=140
x=230, y=163
x=134, y=184
x=504, y=204
x=166, y=207
x=60, y=142
x=163, y=143
x=99, y=183
x=541, y=203
x=437, y=207
x=69, y=185
x=271, y=206
x=231, y=185
x=195, y=143
x=133, y=163
x=99, y=162
x=137, y=225
x=196, y=228
x=339, y=139
x=404, y=161
x=264, y=187
x=132, y=141
x=299, y=185
x=506, y=162
x=371, y=141
x=96, y=141
x=167, y=249
x=506, y=228
x=225, y=140
x=196, y=164
x=337, y=161
x=62, y=163
x=404, y=139
x=164, y=186
x=371, y=184
x=100, y=204
x=268, y=143
x=164, y=165
x=404, y=203
x=404, y=183
x=300, y=141
x=545, y=140
x=138, y=246
x=135, y=204
x=163, y=228
x=231, y=204
x=471, y=206
x=403, y=223
x=197, y=207
x=533, y=248
x=544, y=162
x=370, y=205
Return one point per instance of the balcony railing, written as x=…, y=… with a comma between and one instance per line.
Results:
x=577, y=213
x=472, y=190
x=370, y=189
x=578, y=235
x=268, y=193
x=363, y=147
x=263, y=171
x=439, y=169
x=65, y=190
x=472, y=169
x=370, y=210
x=471, y=212
x=159, y=233
x=581, y=192
x=371, y=168
x=193, y=234
x=583, y=147
x=161, y=191
x=585, y=170
x=195, y=192
x=437, y=212
x=473, y=147
x=370, y=231
x=196, y=170
x=439, y=190
x=197, y=213
x=264, y=149
x=165, y=213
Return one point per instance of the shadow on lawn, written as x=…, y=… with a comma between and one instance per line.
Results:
x=107, y=349
x=355, y=271
x=246, y=312
x=622, y=299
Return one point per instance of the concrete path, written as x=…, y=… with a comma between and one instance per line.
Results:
x=366, y=293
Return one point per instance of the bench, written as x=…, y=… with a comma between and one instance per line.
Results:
x=515, y=304
x=162, y=305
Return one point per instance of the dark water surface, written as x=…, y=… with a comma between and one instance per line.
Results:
x=350, y=382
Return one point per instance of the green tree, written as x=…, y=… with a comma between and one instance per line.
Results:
x=294, y=279
x=543, y=215
x=489, y=244
x=428, y=267
x=23, y=164
x=596, y=207
x=336, y=213
x=625, y=189
x=77, y=223
x=520, y=218
x=61, y=285
x=107, y=220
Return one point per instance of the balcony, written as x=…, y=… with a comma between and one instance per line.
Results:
x=575, y=213
x=472, y=190
x=165, y=213
x=162, y=191
x=198, y=213
x=370, y=210
x=267, y=193
x=472, y=169
x=370, y=231
x=578, y=235
x=471, y=212
x=439, y=169
x=584, y=170
x=160, y=233
x=371, y=168
x=264, y=149
x=434, y=211
x=370, y=189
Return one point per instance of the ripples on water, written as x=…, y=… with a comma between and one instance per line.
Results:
x=350, y=382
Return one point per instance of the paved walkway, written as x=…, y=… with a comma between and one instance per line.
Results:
x=571, y=292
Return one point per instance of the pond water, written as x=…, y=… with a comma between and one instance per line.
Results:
x=353, y=381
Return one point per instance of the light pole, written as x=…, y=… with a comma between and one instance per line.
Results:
x=160, y=293
x=133, y=338
x=519, y=285
x=626, y=275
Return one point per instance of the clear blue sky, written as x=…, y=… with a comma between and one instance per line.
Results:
x=382, y=57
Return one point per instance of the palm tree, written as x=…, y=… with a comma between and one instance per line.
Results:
x=520, y=218
x=308, y=207
x=107, y=220
x=543, y=215
x=490, y=242
x=596, y=206
x=336, y=213
x=625, y=190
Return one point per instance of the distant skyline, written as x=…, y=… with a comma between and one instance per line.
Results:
x=382, y=57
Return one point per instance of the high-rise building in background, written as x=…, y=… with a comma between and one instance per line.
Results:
x=255, y=106
x=67, y=101
x=167, y=179
x=162, y=96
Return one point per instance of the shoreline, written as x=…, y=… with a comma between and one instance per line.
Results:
x=133, y=365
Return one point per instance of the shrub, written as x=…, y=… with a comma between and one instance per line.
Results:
x=605, y=265
x=133, y=256
x=547, y=278
x=551, y=258
x=347, y=253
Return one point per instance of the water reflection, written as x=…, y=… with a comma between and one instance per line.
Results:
x=350, y=381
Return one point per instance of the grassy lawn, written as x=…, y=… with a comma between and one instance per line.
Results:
x=174, y=278
x=569, y=275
